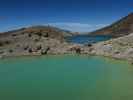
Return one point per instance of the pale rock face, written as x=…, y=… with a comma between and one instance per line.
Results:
x=107, y=48
x=121, y=48
x=102, y=49
x=129, y=53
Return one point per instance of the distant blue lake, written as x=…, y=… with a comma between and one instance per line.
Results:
x=85, y=39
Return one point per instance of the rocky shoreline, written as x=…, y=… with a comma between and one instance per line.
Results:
x=43, y=41
x=119, y=48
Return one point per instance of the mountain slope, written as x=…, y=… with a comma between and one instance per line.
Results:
x=49, y=31
x=120, y=28
x=36, y=40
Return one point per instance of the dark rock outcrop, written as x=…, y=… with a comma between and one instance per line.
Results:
x=44, y=52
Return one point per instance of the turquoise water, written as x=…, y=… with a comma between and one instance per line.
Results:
x=65, y=78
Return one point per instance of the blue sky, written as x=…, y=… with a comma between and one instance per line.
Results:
x=74, y=15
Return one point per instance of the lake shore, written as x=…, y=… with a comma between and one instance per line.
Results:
x=119, y=48
x=71, y=50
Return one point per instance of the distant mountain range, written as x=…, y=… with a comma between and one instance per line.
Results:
x=120, y=28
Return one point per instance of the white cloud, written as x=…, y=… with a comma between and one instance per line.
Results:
x=77, y=27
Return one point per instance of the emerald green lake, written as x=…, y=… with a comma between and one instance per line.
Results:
x=65, y=78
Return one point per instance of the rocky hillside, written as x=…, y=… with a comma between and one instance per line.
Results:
x=49, y=31
x=120, y=28
x=121, y=48
x=35, y=40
